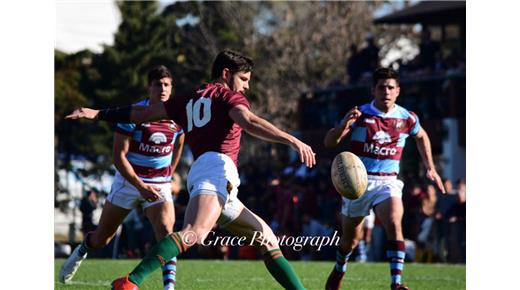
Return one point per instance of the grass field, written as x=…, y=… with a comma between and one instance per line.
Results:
x=211, y=274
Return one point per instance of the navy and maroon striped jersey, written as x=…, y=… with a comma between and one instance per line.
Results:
x=151, y=147
x=378, y=138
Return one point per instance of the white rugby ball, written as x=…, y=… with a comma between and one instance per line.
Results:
x=349, y=175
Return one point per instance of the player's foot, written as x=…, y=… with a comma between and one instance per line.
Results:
x=398, y=287
x=71, y=265
x=334, y=280
x=123, y=284
x=169, y=287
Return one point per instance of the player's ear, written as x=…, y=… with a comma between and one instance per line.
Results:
x=226, y=74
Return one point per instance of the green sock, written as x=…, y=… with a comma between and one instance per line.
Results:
x=167, y=248
x=281, y=270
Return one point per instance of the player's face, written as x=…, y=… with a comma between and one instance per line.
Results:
x=239, y=81
x=160, y=90
x=385, y=94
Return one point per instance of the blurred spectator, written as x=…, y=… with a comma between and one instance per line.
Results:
x=456, y=216
x=87, y=206
x=444, y=203
x=426, y=242
x=354, y=65
x=413, y=215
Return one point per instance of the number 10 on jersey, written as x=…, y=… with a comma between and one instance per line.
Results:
x=193, y=112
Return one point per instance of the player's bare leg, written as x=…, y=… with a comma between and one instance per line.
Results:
x=255, y=229
x=111, y=217
x=162, y=218
x=352, y=233
x=201, y=215
x=390, y=213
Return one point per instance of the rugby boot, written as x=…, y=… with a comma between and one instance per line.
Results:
x=71, y=265
x=398, y=287
x=123, y=284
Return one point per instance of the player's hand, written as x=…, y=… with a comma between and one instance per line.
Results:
x=433, y=176
x=307, y=156
x=85, y=113
x=351, y=116
x=149, y=192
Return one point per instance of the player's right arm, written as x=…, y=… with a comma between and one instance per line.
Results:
x=121, y=146
x=127, y=114
x=338, y=133
x=263, y=129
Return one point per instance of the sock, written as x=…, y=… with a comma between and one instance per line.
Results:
x=362, y=249
x=169, y=270
x=341, y=260
x=281, y=270
x=395, y=254
x=167, y=248
x=84, y=248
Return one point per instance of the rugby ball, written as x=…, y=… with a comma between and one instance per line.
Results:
x=349, y=175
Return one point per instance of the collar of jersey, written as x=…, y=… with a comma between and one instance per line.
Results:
x=382, y=114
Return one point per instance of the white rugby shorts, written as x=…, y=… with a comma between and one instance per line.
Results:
x=215, y=173
x=379, y=188
x=125, y=195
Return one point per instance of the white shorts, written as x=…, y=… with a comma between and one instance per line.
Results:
x=125, y=195
x=379, y=188
x=215, y=173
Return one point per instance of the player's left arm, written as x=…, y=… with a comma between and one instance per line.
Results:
x=425, y=150
x=177, y=152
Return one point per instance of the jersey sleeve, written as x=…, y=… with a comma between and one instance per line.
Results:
x=125, y=128
x=414, y=124
x=232, y=100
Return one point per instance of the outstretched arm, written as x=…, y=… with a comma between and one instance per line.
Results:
x=128, y=114
x=262, y=129
x=338, y=133
x=425, y=150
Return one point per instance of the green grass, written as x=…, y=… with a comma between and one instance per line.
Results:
x=211, y=274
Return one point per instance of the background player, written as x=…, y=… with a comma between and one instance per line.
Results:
x=213, y=118
x=145, y=156
x=377, y=132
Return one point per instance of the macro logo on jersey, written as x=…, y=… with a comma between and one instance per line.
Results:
x=151, y=148
x=379, y=138
x=158, y=138
x=382, y=137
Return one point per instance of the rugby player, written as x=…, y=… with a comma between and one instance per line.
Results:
x=145, y=155
x=377, y=133
x=213, y=118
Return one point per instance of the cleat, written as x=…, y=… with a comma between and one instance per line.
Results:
x=334, y=280
x=123, y=284
x=71, y=266
x=398, y=287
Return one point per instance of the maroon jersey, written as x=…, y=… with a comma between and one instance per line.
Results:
x=204, y=116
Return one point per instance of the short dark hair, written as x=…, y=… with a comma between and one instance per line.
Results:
x=231, y=60
x=159, y=72
x=383, y=73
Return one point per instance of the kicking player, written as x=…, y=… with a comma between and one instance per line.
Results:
x=213, y=118
x=377, y=132
x=145, y=156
